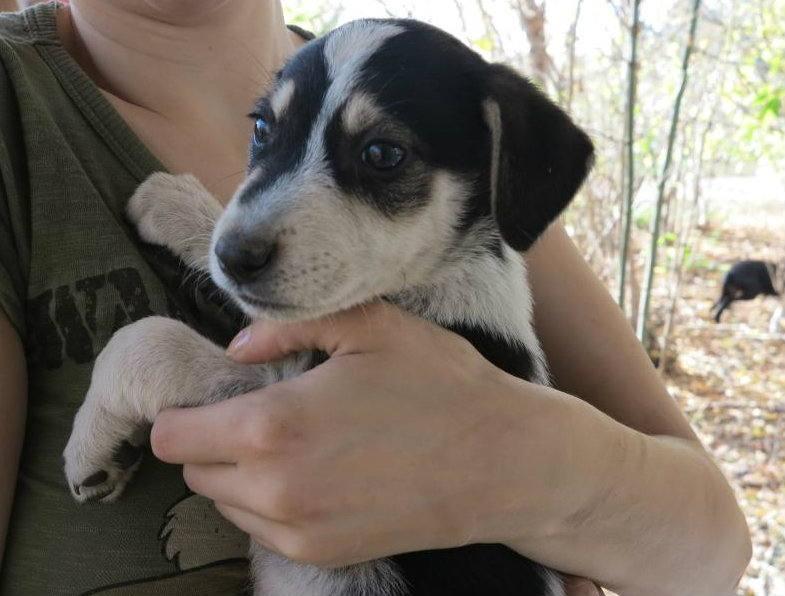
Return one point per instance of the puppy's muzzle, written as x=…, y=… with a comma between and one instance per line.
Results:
x=244, y=262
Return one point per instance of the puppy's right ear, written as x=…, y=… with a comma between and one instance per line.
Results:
x=539, y=157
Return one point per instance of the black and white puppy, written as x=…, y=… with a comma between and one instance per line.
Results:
x=748, y=279
x=390, y=161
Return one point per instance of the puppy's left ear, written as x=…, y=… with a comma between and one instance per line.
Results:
x=539, y=157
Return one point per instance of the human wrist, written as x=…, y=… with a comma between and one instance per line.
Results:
x=575, y=456
x=521, y=464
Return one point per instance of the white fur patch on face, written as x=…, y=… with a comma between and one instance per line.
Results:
x=282, y=98
x=360, y=113
x=346, y=51
x=350, y=46
x=336, y=251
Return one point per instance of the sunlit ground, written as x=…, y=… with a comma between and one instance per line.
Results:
x=730, y=378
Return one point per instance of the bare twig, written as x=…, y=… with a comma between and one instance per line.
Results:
x=628, y=177
x=643, y=315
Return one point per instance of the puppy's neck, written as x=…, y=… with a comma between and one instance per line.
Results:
x=481, y=290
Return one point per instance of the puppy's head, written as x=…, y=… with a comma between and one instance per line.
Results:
x=379, y=148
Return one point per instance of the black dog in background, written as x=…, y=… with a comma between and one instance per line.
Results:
x=746, y=280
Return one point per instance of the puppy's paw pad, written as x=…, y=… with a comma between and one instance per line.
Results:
x=108, y=484
x=96, y=479
x=98, y=472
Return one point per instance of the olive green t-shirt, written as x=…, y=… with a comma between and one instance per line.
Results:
x=72, y=271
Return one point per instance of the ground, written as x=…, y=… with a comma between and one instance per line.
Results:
x=730, y=378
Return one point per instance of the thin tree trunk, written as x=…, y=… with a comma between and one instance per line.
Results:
x=571, y=54
x=695, y=208
x=680, y=262
x=628, y=178
x=643, y=315
x=492, y=31
x=462, y=16
x=532, y=18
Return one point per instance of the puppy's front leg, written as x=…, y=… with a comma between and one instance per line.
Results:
x=177, y=212
x=147, y=366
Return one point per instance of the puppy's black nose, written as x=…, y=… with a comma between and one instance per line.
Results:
x=244, y=262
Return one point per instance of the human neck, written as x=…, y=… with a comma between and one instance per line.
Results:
x=219, y=56
x=183, y=76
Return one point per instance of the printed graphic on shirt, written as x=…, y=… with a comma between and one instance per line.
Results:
x=64, y=324
x=207, y=555
x=202, y=545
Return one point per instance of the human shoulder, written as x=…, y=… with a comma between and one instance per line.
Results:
x=13, y=32
x=25, y=29
x=21, y=34
x=13, y=28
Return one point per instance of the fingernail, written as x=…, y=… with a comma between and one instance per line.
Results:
x=239, y=341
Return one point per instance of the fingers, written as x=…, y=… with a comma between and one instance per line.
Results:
x=353, y=330
x=218, y=482
x=263, y=531
x=255, y=425
x=197, y=435
x=264, y=493
x=293, y=542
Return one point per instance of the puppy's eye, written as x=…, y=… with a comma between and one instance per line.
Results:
x=261, y=132
x=383, y=156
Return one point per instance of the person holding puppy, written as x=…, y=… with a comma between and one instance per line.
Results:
x=600, y=477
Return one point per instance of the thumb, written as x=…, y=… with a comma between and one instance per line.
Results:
x=350, y=331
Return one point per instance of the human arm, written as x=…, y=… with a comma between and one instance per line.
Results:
x=13, y=404
x=13, y=367
x=680, y=504
x=406, y=439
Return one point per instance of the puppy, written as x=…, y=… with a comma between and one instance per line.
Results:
x=388, y=161
x=749, y=279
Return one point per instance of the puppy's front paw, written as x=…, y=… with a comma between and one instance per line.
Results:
x=111, y=427
x=98, y=465
x=110, y=431
x=176, y=212
x=149, y=365
x=154, y=202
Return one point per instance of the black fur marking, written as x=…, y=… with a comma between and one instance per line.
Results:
x=318, y=357
x=127, y=455
x=436, y=86
x=401, y=190
x=474, y=570
x=289, y=140
x=544, y=158
x=432, y=84
x=428, y=86
x=515, y=360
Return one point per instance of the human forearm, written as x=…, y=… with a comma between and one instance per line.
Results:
x=627, y=501
x=13, y=391
x=406, y=439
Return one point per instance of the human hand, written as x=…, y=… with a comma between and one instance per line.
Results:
x=401, y=441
